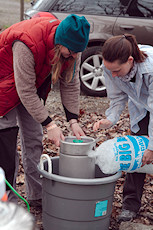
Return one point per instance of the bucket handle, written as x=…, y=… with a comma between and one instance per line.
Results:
x=45, y=156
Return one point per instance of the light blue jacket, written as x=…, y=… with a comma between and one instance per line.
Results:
x=138, y=94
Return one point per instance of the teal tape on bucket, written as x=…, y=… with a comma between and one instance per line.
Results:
x=101, y=208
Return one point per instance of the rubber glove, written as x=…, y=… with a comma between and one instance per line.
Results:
x=102, y=124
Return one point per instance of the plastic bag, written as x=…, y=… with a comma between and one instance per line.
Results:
x=122, y=154
x=15, y=217
x=3, y=195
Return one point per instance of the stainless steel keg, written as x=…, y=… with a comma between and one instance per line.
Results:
x=74, y=161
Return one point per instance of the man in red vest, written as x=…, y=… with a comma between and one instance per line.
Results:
x=34, y=54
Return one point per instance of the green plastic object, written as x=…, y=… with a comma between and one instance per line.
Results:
x=77, y=141
x=10, y=186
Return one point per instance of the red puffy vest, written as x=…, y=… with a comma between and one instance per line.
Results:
x=38, y=35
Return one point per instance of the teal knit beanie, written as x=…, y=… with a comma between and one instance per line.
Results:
x=73, y=33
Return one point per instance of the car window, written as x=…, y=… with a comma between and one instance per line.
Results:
x=37, y=3
x=141, y=8
x=41, y=5
x=95, y=7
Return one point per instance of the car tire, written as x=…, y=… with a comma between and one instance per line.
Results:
x=91, y=72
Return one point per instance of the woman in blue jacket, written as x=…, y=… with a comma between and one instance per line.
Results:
x=128, y=70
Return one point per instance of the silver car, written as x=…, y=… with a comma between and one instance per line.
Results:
x=107, y=18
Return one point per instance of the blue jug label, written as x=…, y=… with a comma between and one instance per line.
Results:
x=129, y=150
x=101, y=208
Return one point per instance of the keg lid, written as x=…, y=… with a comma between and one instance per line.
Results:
x=73, y=146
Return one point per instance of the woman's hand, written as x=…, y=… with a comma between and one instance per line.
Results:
x=147, y=157
x=102, y=124
x=54, y=133
x=76, y=129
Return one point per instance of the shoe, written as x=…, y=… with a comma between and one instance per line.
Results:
x=126, y=215
x=35, y=203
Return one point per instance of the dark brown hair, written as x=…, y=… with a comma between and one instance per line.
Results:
x=121, y=47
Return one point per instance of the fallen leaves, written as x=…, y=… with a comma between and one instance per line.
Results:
x=86, y=120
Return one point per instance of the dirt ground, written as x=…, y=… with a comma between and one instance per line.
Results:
x=10, y=12
x=91, y=109
x=55, y=108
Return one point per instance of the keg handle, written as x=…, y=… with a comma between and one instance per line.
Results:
x=45, y=156
x=96, y=140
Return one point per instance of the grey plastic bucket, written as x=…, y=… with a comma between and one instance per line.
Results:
x=73, y=203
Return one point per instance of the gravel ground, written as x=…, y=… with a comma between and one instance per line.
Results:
x=94, y=107
x=10, y=12
x=88, y=103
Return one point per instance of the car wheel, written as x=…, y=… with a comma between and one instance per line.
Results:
x=91, y=72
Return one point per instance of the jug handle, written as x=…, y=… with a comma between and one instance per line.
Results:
x=45, y=156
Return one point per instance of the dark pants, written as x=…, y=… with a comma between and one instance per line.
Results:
x=134, y=182
x=8, y=140
x=31, y=135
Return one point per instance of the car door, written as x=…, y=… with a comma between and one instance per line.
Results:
x=136, y=19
